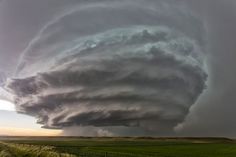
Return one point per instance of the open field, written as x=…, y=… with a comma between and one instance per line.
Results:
x=116, y=147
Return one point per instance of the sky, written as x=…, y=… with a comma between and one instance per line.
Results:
x=117, y=68
x=13, y=124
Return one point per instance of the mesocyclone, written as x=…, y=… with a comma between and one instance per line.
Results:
x=120, y=63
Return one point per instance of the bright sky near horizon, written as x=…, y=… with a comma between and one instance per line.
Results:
x=14, y=124
x=6, y=105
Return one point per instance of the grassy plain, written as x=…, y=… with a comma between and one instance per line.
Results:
x=116, y=147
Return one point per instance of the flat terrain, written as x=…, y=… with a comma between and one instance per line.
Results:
x=116, y=147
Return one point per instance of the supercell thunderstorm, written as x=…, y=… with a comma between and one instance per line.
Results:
x=112, y=65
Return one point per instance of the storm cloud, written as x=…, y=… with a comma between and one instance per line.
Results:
x=113, y=64
x=214, y=112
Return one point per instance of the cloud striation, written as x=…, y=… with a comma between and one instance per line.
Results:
x=107, y=64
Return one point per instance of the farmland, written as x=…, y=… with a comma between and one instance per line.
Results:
x=116, y=147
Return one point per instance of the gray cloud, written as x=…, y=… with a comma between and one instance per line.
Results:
x=2, y=78
x=112, y=65
x=20, y=22
x=214, y=113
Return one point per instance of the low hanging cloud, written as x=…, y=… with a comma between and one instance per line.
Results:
x=128, y=72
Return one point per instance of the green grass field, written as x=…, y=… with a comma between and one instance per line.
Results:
x=116, y=147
